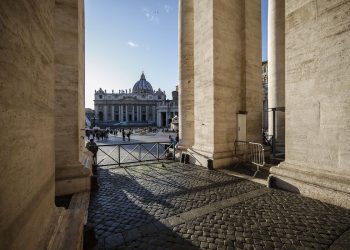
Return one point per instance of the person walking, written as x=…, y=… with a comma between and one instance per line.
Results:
x=93, y=148
x=128, y=134
x=123, y=134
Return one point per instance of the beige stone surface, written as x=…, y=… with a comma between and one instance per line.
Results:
x=69, y=92
x=276, y=72
x=186, y=73
x=317, y=91
x=26, y=122
x=227, y=68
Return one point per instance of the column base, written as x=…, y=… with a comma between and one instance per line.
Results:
x=220, y=159
x=324, y=186
x=74, y=178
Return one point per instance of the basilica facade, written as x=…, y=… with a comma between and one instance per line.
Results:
x=139, y=106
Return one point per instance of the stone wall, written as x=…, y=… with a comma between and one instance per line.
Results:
x=317, y=101
x=26, y=121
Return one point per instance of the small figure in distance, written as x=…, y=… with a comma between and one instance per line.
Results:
x=128, y=134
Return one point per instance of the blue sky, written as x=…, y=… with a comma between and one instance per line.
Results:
x=125, y=37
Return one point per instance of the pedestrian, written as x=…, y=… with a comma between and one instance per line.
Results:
x=123, y=134
x=98, y=135
x=177, y=138
x=128, y=134
x=93, y=148
x=172, y=141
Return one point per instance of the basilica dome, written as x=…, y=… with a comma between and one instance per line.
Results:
x=142, y=86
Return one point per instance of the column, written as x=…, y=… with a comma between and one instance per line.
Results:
x=147, y=113
x=71, y=176
x=317, y=90
x=105, y=113
x=133, y=112
x=227, y=66
x=276, y=60
x=121, y=113
x=154, y=114
x=167, y=119
x=126, y=113
x=118, y=113
x=113, y=114
x=27, y=121
x=186, y=74
x=139, y=115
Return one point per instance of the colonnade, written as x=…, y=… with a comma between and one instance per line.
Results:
x=122, y=112
x=220, y=78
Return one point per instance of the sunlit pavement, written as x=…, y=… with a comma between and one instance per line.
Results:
x=176, y=206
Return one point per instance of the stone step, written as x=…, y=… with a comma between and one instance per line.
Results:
x=68, y=224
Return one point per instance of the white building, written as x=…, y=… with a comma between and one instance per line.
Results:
x=141, y=106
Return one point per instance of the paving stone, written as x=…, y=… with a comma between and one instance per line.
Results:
x=137, y=201
x=113, y=241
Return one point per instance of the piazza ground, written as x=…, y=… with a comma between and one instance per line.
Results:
x=175, y=206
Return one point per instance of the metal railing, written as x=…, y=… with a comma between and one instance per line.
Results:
x=250, y=152
x=118, y=154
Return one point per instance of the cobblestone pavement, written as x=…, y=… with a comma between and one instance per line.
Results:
x=174, y=206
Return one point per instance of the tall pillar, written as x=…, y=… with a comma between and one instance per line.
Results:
x=167, y=119
x=27, y=124
x=126, y=113
x=113, y=114
x=186, y=74
x=276, y=61
x=71, y=176
x=154, y=114
x=317, y=41
x=147, y=113
x=122, y=113
x=105, y=113
x=133, y=113
x=227, y=66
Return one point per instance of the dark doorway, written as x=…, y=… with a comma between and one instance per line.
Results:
x=163, y=119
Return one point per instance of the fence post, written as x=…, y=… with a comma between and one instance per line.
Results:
x=174, y=152
x=158, y=151
x=140, y=152
x=119, y=155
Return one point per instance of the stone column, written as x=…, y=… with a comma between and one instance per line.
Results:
x=317, y=41
x=147, y=113
x=133, y=113
x=126, y=113
x=167, y=119
x=186, y=74
x=121, y=113
x=227, y=66
x=105, y=113
x=276, y=61
x=140, y=113
x=113, y=115
x=154, y=113
x=27, y=124
x=71, y=176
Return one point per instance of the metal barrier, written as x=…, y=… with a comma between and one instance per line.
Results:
x=117, y=154
x=250, y=152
